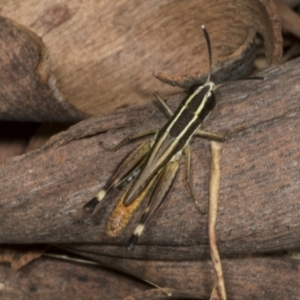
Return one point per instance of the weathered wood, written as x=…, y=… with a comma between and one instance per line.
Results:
x=18, y=256
x=28, y=91
x=56, y=279
x=245, y=278
x=42, y=193
x=103, y=55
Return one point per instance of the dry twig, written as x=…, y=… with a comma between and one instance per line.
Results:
x=212, y=220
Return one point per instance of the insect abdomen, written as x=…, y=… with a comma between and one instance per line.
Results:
x=122, y=214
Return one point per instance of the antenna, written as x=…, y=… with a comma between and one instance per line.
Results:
x=209, y=50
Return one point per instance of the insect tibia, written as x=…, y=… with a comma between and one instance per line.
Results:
x=90, y=206
x=101, y=195
x=131, y=243
x=134, y=238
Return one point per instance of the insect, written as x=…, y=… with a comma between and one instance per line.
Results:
x=152, y=166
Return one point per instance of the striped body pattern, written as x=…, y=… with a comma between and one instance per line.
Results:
x=152, y=166
x=174, y=136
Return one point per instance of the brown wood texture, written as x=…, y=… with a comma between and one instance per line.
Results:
x=245, y=278
x=42, y=193
x=55, y=279
x=28, y=91
x=103, y=53
x=102, y=56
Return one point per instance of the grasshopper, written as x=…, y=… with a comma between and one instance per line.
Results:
x=153, y=165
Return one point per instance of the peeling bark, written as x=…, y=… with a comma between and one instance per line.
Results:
x=28, y=91
x=103, y=55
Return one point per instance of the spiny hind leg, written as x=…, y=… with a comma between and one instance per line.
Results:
x=127, y=170
x=161, y=189
x=90, y=206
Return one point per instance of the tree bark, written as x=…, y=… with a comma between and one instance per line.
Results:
x=42, y=193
